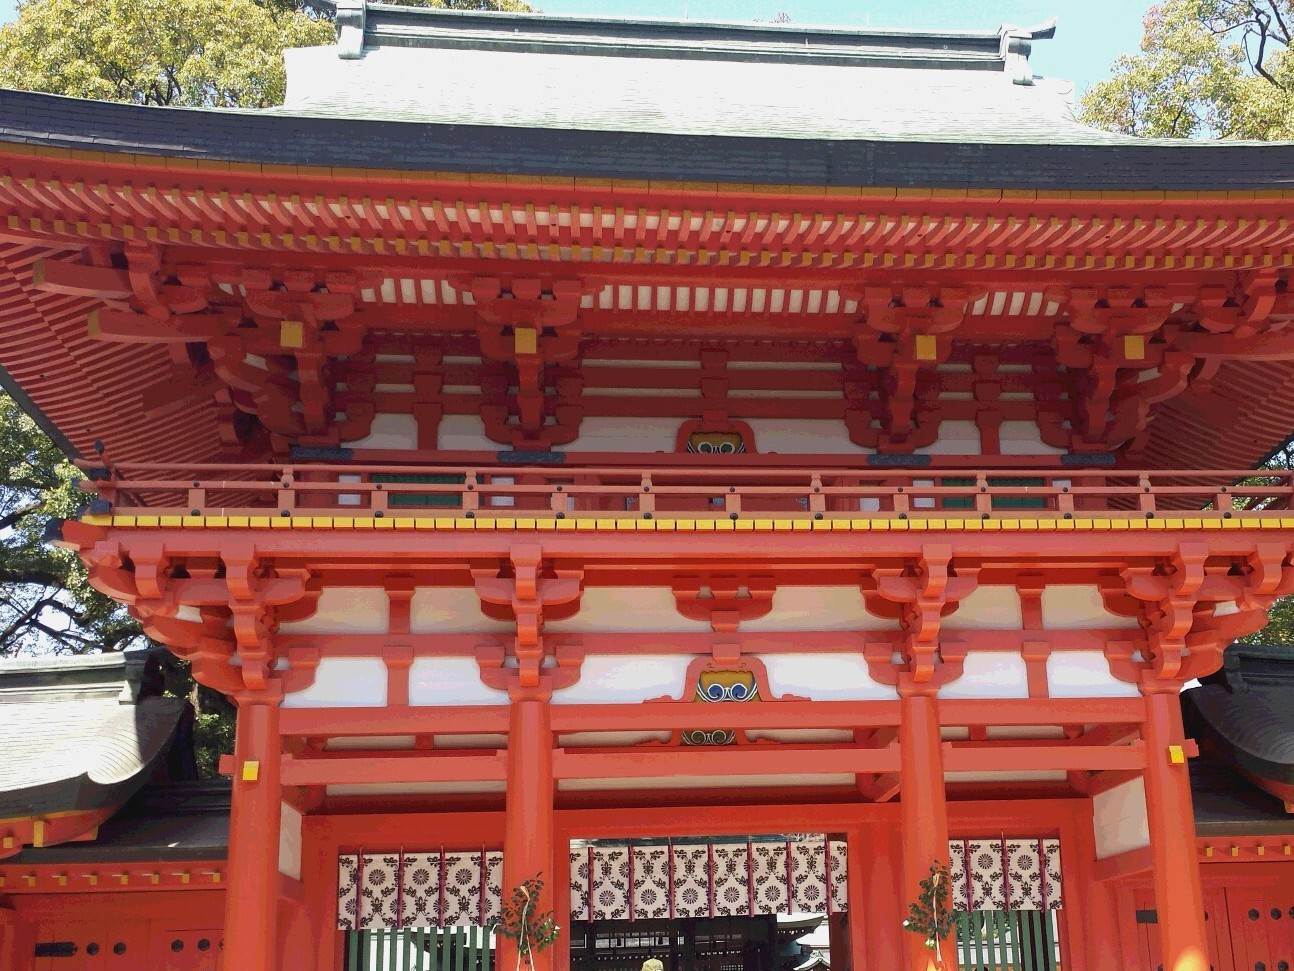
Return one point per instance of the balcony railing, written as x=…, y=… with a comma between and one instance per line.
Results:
x=675, y=491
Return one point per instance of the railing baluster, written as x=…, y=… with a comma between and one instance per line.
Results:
x=983, y=501
x=647, y=501
x=471, y=498
x=1145, y=501
x=817, y=501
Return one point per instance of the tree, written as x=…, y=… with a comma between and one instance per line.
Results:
x=1207, y=68
x=213, y=53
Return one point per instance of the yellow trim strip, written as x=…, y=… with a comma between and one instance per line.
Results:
x=752, y=524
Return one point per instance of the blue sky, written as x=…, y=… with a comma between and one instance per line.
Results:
x=1092, y=32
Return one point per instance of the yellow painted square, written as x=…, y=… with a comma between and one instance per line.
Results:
x=279, y=522
x=587, y=524
x=100, y=520
x=917, y=525
x=1176, y=755
x=705, y=525
x=525, y=524
x=936, y=524
x=606, y=523
x=1270, y=524
x=745, y=525
x=1101, y=523
x=239, y=521
x=1118, y=524
x=405, y=522
x=216, y=522
x=1136, y=524
x=764, y=525
x=505, y=523
x=464, y=523
x=1065, y=525
x=363, y=522
x=992, y=525
x=725, y=525
x=1029, y=524
x=259, y=522
x=1287, y=522
x=1192, y=524
x=1047, y=525
x=145, y=520
x=802, y=525
x=860, y=525
x=565, y=524
x=1011, y=525
x=251, y=770
x=302, y=522
x=483, y=523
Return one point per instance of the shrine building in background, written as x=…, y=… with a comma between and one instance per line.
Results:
x=729, y=473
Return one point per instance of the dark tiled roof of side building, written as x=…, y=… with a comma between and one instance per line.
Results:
x=81, y=733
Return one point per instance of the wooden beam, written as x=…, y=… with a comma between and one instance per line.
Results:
x=393, y=770
x=682, y=715
x=1122, y=865
x=352, y=722
x=1042, y=711
x=724, y=760
x=987, y=757
x=79, y=280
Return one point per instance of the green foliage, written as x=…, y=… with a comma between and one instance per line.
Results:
x=520, y=920
x=222, y=53
x=46, y=603
x=931, y=914
x=1207, y=68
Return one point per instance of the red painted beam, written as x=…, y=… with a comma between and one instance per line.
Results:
x=392, y=770
x=1042, y=711
x=350, y=722
x=79, y=280
x=721, y=761
x=683, y=715
x=986, y=757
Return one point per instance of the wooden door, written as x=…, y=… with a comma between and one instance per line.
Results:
x=1216, y=921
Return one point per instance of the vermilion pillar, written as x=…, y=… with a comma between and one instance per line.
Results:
x=879, y=884
x=251, y=932
x=1179, y=898
x=528, y=841
x=924, y=811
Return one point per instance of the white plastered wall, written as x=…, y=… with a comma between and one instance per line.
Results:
x=1084, y=674
x=956, y=438
x=604, y=434
x=464, y=433
x=345, y=610
x=803, y=436
x=817, y=608
x=344, y=682
x=451, y=610
x=1119, y=819
x=990, y=674
x=439, y=681
x=1024, y=438
x=1078, y=607
x=389, y=431
x=994, y=607
x=620, y=610
x=290, y=842
x=626, y=679
x=824, y=677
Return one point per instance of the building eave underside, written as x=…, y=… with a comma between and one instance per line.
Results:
x=53, y=122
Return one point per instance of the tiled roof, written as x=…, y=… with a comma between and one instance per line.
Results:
x=80, y=732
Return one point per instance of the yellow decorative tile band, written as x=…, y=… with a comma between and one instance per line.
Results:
x=756, y=524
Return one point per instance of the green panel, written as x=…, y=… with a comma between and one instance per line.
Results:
x=958, y=502
x=396, y=500
x=1018, y=502
x=353, y=950
x=487, y=952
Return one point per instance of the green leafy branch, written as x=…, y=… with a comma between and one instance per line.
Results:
x=521, y=921
x=931, y=914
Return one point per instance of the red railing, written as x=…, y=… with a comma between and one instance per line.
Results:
x=694, y=492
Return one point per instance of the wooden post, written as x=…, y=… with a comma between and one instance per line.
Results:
x=924, y=810
x=879, y=887
x=1179, y=897
x=251, y=932
x=528, y=840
